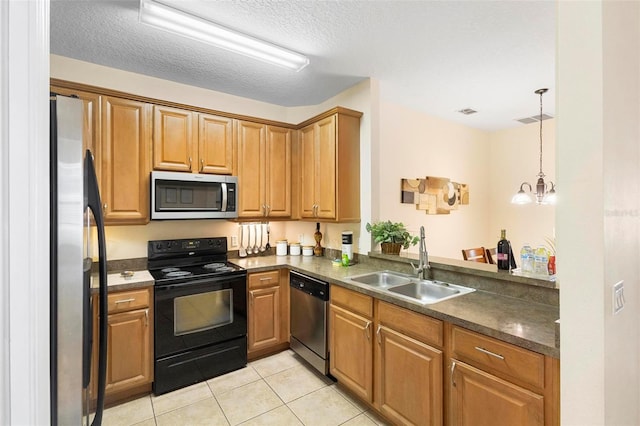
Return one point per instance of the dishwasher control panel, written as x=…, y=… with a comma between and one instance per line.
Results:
x=309, y=285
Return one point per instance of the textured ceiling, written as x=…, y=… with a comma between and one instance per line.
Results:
x=433, y=56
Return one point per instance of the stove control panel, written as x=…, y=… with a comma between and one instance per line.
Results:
x=216, y=245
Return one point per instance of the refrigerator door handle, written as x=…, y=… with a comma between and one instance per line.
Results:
x=95, y=205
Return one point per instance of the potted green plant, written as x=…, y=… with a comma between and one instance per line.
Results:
x=391, y=236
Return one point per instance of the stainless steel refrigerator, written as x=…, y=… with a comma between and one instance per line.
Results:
x=75, y=210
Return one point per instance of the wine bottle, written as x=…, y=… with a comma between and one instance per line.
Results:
x=503, y=252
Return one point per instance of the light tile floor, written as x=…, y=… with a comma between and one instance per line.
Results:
x=278, y=390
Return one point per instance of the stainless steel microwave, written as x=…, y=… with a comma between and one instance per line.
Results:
x=177, y=195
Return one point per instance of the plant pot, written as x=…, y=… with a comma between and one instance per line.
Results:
x=391, y=248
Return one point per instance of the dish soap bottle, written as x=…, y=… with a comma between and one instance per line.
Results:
x=503, y=252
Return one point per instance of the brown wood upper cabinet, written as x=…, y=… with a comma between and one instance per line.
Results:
x=124, y=158
x=330, y=167
x=186, y=141
x=264, y=170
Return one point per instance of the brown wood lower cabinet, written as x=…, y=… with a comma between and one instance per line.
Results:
x=129, y=358
x=268, y=324
x=129, y=344
x=409, y=377
x=479, y=398
x=496, y=383
x=351, y=348
x=405, y=382
x=394, y=359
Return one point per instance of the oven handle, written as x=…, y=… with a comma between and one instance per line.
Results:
x=225, y=281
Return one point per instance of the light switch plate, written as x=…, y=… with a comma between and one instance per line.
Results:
x=234, y=241
x=618, y=297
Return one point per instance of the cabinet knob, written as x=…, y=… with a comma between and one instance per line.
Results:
x=201, y=164
x=189, y=162
x=104, y=207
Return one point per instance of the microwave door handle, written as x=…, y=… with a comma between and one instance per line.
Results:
x=223, y=185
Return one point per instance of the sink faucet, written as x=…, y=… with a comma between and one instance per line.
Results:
x=423, y=266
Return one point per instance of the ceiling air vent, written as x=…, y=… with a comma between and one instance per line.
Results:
x=467, y=111
x=533, y=119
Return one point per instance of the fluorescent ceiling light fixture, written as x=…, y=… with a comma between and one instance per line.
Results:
x=168, y=18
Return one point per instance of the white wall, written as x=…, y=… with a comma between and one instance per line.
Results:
x=24, y=213
x=598, y=137
x=514, y=158
x=413, y=145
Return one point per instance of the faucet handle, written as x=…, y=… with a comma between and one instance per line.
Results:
x=416, y=269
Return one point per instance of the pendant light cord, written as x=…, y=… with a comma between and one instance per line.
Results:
x=541, y=174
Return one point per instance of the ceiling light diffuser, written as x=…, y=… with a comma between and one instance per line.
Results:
x=170, y=19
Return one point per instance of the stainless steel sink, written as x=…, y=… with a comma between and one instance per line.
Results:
x=383, y=279
x=406, y=286
x=430, y=291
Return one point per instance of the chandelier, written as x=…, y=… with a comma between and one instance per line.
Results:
x=544, y=194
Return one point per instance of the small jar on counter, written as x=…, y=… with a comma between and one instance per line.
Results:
x=307, y=251
x=281, y=248
x=294, y=249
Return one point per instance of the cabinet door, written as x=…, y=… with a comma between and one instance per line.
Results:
x=479, y=398
x=215, y=144
x=251, y=169
x=173, y=139
x=264, y=318
x=409, y=379
x=278, y=172
x=326, y=166
x=129, y=357
x=91, y=133
x=308, y=171
x=125, y=161
x=351, y=348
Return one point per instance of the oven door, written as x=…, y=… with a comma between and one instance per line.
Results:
x=199, y=313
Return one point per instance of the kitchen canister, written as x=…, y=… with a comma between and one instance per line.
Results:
x=307, y=251
x=294, y=249
x=281, y=248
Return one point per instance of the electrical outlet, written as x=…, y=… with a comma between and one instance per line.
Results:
x=234, y=241
x=301, y=239
x=618, y=297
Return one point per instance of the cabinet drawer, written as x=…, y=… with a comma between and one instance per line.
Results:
x=355, y=302
x=498, y=357
x=420, y=327
x=264, y=279
x=128, y=300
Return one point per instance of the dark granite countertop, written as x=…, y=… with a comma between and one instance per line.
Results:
x=524, y=323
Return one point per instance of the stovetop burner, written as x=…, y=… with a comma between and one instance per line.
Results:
x=177, y=273
x=169, y=270
x=214, y=266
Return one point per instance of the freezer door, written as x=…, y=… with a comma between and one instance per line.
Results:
x=66, y=260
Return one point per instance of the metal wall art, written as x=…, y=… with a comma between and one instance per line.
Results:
x=435, y=195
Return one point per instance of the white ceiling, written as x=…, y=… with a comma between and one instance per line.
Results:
x=433, y=56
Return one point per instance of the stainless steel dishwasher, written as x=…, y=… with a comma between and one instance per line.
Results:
x=309, y=314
